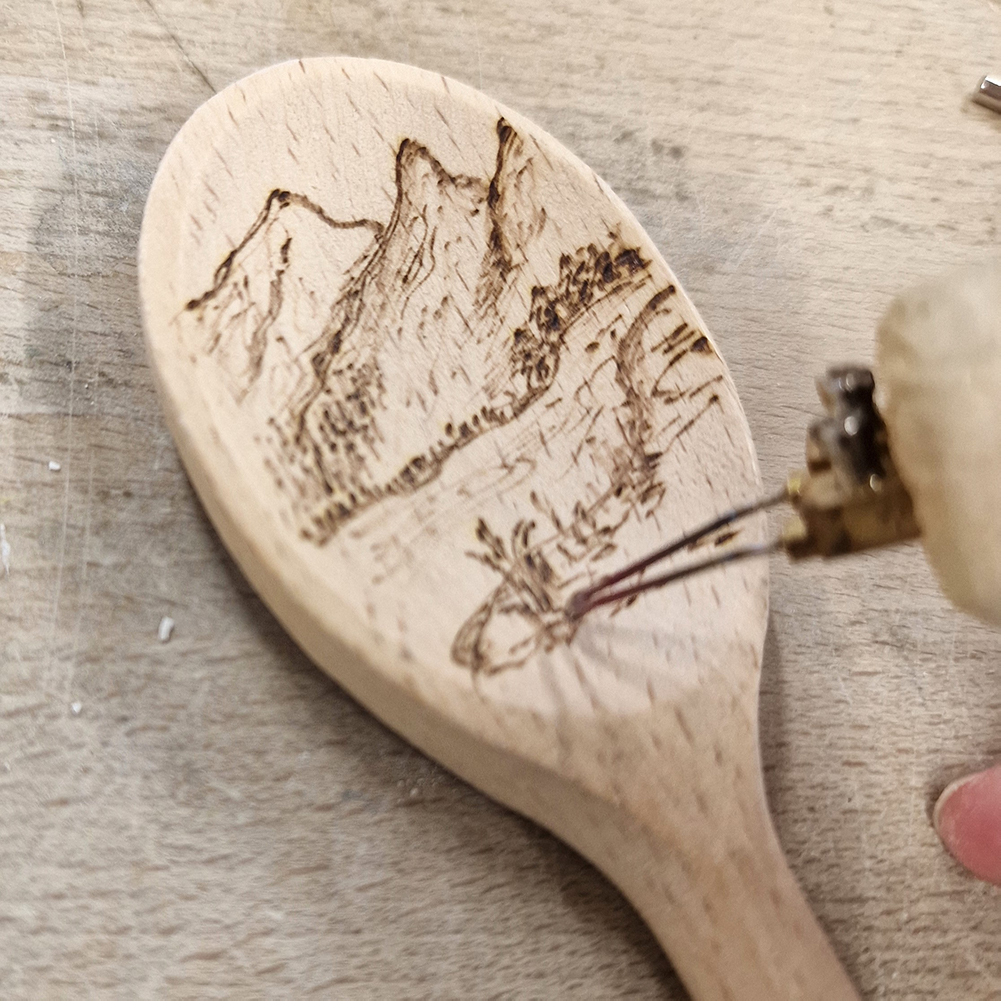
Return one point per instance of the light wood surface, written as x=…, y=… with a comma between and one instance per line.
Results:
x=212, y=815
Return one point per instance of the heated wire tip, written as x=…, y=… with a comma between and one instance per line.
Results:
x=605, y=591
x=849, y=498
x=578, y=604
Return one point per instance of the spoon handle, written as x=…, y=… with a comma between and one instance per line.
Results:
x=693, y=848
x=731, y=917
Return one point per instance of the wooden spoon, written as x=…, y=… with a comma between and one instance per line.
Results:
x=429, y=376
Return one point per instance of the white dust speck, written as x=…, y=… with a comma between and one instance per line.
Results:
x=76, y=707
x=4, y=550
x=166, y=629
x=54, y=466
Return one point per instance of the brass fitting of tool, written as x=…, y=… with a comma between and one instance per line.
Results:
x=850, y=496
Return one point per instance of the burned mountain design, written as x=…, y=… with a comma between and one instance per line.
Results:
x=379, y=351
x=555, y=548
x=266, y=307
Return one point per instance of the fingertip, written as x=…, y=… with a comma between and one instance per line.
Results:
x=967, y=818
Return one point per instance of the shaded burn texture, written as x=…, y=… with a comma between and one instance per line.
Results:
x=454, y=319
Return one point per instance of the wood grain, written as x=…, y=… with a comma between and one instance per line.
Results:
x=218, y=817
x=423, y=404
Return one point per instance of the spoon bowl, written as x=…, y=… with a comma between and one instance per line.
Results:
x=429, y=378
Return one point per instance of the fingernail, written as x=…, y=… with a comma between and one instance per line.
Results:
x=967, y=818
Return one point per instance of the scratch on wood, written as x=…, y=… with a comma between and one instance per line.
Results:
x=180, y=47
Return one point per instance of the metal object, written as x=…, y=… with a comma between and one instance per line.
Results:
x=849, y=498
x=989, y=92
x=605, y=591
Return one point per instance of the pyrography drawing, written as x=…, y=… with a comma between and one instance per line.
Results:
x=377, y=351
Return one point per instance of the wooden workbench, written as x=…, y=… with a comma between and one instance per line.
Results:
x=212, y=816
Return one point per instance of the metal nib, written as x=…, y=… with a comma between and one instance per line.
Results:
x=849, y=498
x=604, y=592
